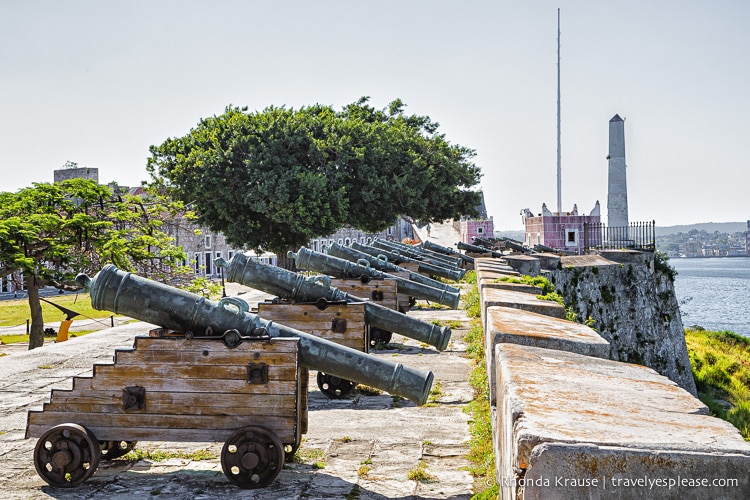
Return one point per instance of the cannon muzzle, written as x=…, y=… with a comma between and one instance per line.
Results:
x=423, y=267
x=294, y=286
x=418, y=252
x=230, y=320
x=342, y=268
x=477, y=249
x=381, y=263
x=430, y=245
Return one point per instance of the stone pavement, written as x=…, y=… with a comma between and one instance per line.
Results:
x=363, y=447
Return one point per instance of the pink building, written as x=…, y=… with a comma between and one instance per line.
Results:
x=561, y=231
x=471, y=228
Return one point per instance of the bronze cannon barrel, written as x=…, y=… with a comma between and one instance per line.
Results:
x=423, y=267
x=294, y=286
x=381, y=263
x=474, y=248
x=430, y=245
x=342, y=268
x=516, y=245
x=153, y=302
x=416, y=252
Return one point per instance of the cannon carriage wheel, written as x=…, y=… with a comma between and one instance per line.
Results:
x=66, y=455
x=379, y=337
x=334, y=387
x=116, y=449
x=252, y=457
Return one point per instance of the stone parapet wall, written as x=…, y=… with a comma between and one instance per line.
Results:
x=570, y=423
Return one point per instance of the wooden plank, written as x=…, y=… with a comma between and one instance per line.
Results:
x=198, y=344
x=283, y=372
x=166, y=421
x=302, y=398
x=287, y=435
x=310, y=319
x=178, y=357
x=410, y=266
x=117, y=381
x=401, y=298
x=177, y=403
x=356, y=288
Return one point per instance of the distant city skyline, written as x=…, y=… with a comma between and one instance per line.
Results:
x=97, y=83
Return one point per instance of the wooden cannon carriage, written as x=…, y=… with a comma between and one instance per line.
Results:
x=340, y=322
x=251, y=397
x=213, y=372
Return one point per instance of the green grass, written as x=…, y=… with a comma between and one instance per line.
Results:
x=160, y=455
x=419, y=473
x=481, y=452
x=16, y=312
x=538, y=281
x=303, y=455
x=721, y=368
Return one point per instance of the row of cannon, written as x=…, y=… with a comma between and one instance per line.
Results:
x=217, y=370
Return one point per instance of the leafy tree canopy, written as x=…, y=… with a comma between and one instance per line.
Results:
x=276, y=179
x=51, y=232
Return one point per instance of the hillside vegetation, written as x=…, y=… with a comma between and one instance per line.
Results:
x=721, y=368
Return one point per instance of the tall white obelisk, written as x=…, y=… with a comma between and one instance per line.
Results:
x=617, y=196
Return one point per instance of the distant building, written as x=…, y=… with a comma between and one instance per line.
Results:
x=561, y=231
x=73, y=171
x=400, y=231
x=481, y=227
x=202, y=249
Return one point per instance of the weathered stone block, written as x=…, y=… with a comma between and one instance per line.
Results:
x=514, y=287
x=631, y=412
x=515, y=326
x=518, y=300
x=524, y=264
x=561, y=471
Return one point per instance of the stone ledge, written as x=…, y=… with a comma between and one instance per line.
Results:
x=547, y=396
x=493, y=274
x=563, y=471
x=515, y=326
x=524, y=264
x=519, y=300
x=507, y=285
x=586, y=261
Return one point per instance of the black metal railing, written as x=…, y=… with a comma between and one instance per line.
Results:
x=635, y=236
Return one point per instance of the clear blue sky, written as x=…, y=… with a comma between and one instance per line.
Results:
x=98, y=82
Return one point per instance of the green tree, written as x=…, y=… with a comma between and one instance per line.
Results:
x=275, y=179
x=51, y=232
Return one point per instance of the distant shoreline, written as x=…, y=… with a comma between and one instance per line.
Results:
x=709, y=256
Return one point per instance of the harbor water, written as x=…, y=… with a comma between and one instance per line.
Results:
x=714, y=292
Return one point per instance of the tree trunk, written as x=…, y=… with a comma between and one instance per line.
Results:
x=285, y=262
x=36, y=334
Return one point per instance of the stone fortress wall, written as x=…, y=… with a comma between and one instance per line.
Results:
x=576, y=414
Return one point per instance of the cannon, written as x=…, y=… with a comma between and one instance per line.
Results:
x=477, y=249
x=342, y=268
x=417, y=252
x=429, y=245
x=340, y=322
x=485, y=242
x=213, y=372
x=539, y=248
x=381, y=263
x=516, y=245
x=179, y=310
x=294, y=286
x=423, y=267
